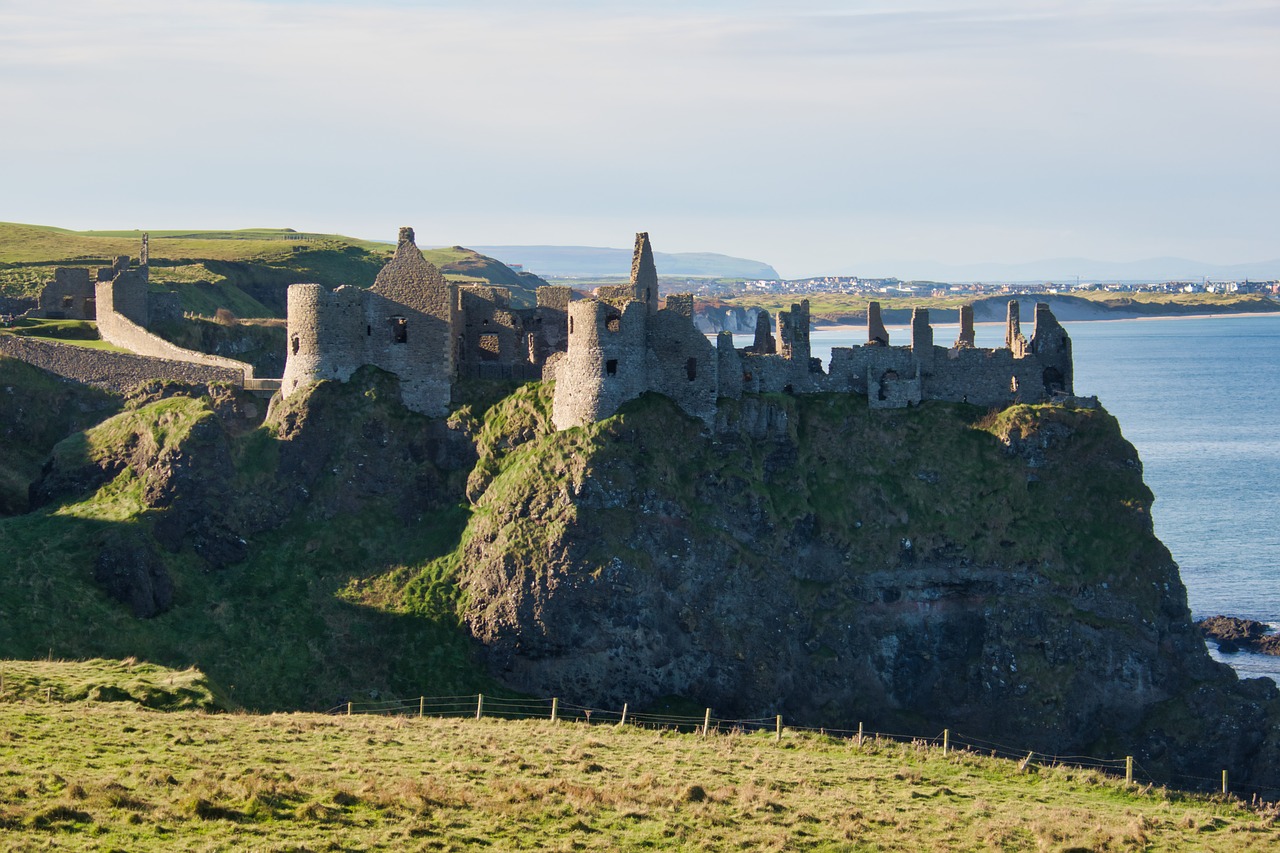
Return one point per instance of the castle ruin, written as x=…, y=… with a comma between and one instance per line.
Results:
x=426, y=330
x=623, y=342
x=622, y=345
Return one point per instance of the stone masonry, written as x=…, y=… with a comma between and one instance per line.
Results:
x=427, y=331
x=622, y=343
x=622, y=346
x=121, y=302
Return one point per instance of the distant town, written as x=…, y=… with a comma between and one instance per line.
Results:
x=891, y=287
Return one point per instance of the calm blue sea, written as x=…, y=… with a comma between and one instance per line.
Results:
x=1199, y=399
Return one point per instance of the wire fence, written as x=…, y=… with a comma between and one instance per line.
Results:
x=480, y=706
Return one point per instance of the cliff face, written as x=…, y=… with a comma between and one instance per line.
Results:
x=912, y=569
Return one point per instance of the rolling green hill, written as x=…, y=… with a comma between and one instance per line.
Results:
x=245, y=271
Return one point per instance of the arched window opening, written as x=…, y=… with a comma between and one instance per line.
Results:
x=885, y=378
x=1053, y=381
x=613, y=323
x=611, y=367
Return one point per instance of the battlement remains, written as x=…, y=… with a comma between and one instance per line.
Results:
x=620, y=347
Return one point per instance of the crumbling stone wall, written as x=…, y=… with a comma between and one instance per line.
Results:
x=123, y=312
x=325, y=334
x=113, y=371
x=552, y=318
x=892, y=376
x=405, y=324
x=680, y=303
x=730, y=377
x=681, y=363
x=70, y=296
x=644, y=275
x=497, y=342
x=793, y=333
x=411, y=317
x=413, y=323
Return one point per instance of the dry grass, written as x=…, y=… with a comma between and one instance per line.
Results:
x=92, y=777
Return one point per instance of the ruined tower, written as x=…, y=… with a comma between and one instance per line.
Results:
x=405, y=324
x=621, y=345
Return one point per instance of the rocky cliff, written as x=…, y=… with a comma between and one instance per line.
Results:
x=990, y=572
x=996, y=574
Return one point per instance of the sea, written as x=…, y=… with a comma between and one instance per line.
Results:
x=1199, y=398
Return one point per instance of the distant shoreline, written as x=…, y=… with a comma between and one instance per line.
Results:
x=847, y=327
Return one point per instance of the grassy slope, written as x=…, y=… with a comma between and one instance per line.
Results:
x=144, y=684
x=80, y=333
x=111, y=778
x=368, y=583
x=244, y=271
x=38, y=411
x=281, y=629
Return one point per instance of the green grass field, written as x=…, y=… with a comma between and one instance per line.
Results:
x=114, y=776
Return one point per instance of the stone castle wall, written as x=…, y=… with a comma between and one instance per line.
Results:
x=405, y=324
x=620, y=345
x=681, y=363
x=113, y=371
x=122, y=313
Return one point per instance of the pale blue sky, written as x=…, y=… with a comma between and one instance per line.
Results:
x=818, y=136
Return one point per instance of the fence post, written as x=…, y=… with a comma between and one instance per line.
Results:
x=1224, y=781
x=946, y=740
x=859, y=735
x=779, y=728
x=706, y=723
x=422, y=703
x=349, y=709
x=555, y=709
x=479, y=705
x=623, y=721
x=1128, y=769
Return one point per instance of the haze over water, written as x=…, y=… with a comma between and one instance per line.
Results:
x=1198, y=399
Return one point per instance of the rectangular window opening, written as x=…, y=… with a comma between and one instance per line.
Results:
x=611, y=367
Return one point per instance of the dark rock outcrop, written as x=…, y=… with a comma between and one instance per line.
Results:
x=834, y=564
x=1234, y=635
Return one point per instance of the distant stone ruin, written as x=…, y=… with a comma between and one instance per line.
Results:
x=125, y=308
x=622, y=343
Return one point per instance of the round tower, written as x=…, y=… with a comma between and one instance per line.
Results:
x=605, y=362
x=326, y=332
